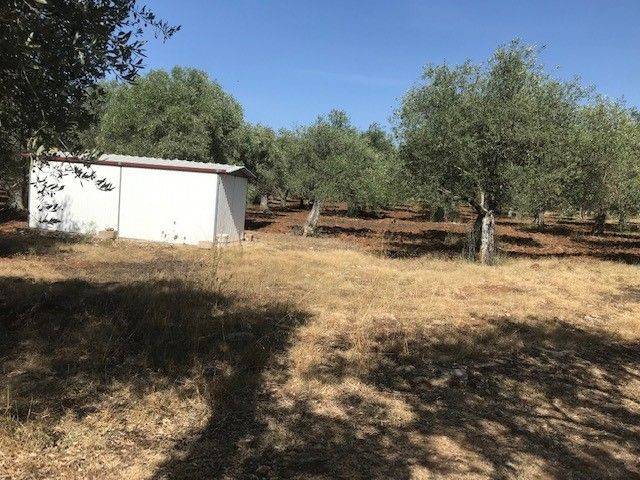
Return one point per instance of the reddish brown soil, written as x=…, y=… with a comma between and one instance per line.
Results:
x=405, y=233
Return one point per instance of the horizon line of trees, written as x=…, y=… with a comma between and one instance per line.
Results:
x=502, y=135
x=498, y=136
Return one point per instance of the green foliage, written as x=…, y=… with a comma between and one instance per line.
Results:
x=182, y=114
x=607, y=173
x=388, y=182
x=287, y=173
x=502, y=134
x=53, y=53
x=335, y=162
x=477, y=130
x=540, y=183
x=258, y=153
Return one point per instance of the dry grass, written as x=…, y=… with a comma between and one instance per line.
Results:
x=308, y=358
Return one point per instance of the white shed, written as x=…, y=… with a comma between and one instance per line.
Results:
x=174, y=201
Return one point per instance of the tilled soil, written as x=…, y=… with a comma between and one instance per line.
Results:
x=406, y=233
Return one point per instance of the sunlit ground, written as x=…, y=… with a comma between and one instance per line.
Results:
x=313, y=358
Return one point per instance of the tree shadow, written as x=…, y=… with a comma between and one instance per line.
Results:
x=611, y=241
x=544, y=389
x=517, y=399
x=21, y=241
x=336, y=230
x=630, y=258
x=520, y=241
x=365, y=215
x=623, y=257
x=256, y=224
x=63, y=345
x=548, y=229
x=629, y=295
x=440, y=243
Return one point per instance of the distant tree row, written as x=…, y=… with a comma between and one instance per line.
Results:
x=506, y=135
x=501, y=136
x=497, y=136
x=183, y=114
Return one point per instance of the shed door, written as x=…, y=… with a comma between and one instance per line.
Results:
x=167, y=205
x=232, y=197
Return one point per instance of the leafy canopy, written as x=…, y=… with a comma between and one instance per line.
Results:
x=607, y=147
x=338, y=163
x=181, y=114
x=53, y=52
x=469, y=131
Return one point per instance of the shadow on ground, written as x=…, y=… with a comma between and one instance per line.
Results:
x=21, y=241
x=403, y=234
x=440, y=243
x=518, y=399
x=510, y=399
x=64, y=344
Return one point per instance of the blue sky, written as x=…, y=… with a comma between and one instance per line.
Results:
x=289, y=61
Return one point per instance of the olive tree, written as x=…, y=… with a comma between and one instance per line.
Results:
x=257, y=153
x=466, y=129
x=335, y=163
x=607, y=175
x=540, y=182
x=385, y=180
x=178, y=114
x=53, y=54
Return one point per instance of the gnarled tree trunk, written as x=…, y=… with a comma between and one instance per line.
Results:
x=623, y=221
x=18, y=190
x=312, y=220
x=283, y=200
x=481, y=242
x=440, y=214
x=264, y=204
x=598, y=222
x=538, y=221
x=487, y=251
x=17, y=198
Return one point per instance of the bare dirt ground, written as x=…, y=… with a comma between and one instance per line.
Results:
x=372, y=351
x=405, y=233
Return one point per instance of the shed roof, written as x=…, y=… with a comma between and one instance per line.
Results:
x=157, y=164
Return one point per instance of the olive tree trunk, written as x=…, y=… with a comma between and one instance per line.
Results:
x=623, y=221
x=487, y=250
x=17, y=189
x=481, y=242
x=16, y=199
x=599, y=222
x=312, y=220
x=538, y=221
x=283, y=199
x=264, y=204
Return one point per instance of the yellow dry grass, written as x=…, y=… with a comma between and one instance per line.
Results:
x=307, y=358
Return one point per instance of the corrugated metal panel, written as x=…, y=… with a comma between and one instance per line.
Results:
x=157, y=164
x=167, y=206
x=81, y=206
x=231, y=204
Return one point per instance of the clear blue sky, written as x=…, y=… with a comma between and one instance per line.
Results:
x=289, y=61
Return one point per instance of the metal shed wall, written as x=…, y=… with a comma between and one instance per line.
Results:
x=83, y=207
x=231, y=205
x=151, y=199
x=167, y=206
